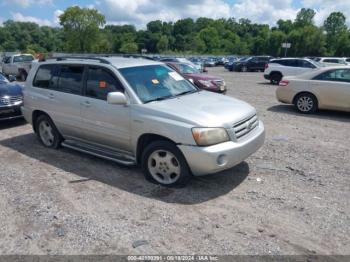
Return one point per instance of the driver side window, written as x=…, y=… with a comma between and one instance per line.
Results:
x=100, y=82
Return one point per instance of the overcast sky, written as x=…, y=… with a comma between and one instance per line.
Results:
x=139, y=12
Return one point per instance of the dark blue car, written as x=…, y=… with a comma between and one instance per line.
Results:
x=11, y=99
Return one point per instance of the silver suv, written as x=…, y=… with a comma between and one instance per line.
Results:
x=138, y=111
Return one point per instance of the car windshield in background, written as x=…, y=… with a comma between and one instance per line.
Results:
x=23, y=58
x=244, y=59
x=156, y=82
x=3, y=78
x=188, y=69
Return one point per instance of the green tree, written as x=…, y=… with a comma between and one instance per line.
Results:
x=335, y=26
x=81, y=27
x=305, y=17
x=163, y=44
x=129, y=48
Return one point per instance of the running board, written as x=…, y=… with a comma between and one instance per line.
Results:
x=107, y=154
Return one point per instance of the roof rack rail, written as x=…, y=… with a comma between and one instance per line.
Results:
x=101, y=60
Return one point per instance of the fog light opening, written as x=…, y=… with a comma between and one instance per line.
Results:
x=222, y=160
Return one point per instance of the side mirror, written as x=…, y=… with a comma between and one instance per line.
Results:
x=12, y=78
x=116, y=98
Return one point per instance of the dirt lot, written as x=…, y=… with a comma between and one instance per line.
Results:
x=291, y=197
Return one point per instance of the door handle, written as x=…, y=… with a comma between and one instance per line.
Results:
x=51, y=96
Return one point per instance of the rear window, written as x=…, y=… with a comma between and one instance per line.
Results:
x=23, y=58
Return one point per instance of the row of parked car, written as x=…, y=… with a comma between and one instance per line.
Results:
x=310, y=84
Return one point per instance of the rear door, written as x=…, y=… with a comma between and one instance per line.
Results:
x=104, y=124
x=333, y=89
x=57, y=91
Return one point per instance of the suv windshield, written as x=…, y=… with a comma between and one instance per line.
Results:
x=22, y=58
x=156, y=82
x=188, y=69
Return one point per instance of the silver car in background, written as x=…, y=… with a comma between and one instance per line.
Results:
x=137, y=111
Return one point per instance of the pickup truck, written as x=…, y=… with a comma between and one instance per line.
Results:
x=17, y=65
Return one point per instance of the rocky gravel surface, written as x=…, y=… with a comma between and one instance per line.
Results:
x=291, y=197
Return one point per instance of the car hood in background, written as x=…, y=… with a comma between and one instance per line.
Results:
x=201, y=109
x=10, y=89
x=203, y=77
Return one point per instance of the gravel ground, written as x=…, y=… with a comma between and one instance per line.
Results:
x=291, y=197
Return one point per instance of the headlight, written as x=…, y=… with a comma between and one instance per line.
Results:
x=209, y=136
x=205, y=83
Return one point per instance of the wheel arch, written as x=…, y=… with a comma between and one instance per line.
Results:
x=305, y=92
x=145, y=139
x=35, y=115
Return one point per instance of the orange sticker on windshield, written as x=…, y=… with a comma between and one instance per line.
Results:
x=102, y=84
x=155, y=81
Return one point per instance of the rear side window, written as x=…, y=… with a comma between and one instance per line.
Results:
x=71, y=79
x=100, y=82
x=44, y=76
x=331, y=61
x=286, y=62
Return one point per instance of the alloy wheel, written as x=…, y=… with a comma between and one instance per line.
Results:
x=305, y=104
x=164, y=167
x=46, y=133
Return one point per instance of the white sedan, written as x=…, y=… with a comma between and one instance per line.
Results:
x=324, y=88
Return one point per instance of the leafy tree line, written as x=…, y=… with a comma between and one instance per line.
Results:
x=85, y=30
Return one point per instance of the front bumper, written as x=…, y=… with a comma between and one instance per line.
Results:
x=10, y=112
x=213, y=159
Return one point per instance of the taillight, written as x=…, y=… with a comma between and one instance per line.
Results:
x=284, y=83
x=266, y=66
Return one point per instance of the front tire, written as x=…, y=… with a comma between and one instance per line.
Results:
x=163, y=163
x=47, y=132
x=306, y=103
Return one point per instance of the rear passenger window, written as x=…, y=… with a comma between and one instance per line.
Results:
x=44, y=75
x=100, y=82
x=71, y=79
x=287, y=62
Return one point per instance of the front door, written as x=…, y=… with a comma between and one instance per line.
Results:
x=104, y=124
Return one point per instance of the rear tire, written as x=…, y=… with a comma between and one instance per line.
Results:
x=47, y=132
x=163, y=163
x=275, y=78
x=306, y=103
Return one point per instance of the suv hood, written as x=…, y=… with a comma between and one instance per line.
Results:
x=202, y=109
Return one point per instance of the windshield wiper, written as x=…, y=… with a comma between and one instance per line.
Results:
x=187, y=92
x=159, y=99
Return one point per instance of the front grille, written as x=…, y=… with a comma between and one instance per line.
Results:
x=246, y=126
x=10, y=100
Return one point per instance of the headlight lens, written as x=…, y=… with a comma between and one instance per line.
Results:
x=209, y=136
x=205, y=83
